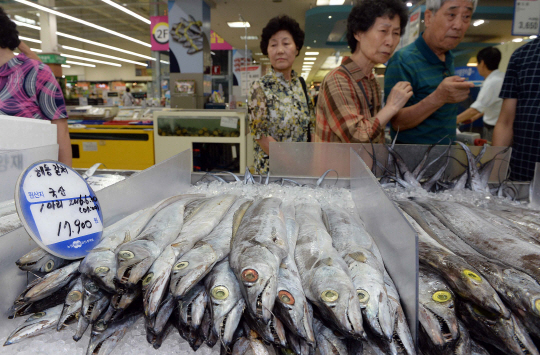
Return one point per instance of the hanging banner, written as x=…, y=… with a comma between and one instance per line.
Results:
x=217, y=43
x=159, y=33
x=526, y=17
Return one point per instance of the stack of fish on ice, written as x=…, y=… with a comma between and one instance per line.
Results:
x=246, y=273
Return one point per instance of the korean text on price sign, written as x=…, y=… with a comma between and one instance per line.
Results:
x=526, y=17
x=59, y=209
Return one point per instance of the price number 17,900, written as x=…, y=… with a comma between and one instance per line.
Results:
x=77, y=226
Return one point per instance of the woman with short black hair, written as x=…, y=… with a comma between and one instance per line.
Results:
x=279, y=106
x=349, y=108
x=28, y=87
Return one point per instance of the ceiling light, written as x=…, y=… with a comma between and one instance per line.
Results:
x=478, y=22
x=409, y=4
x=249, y=37
x=259, y=54
x=36, y=50
x=472, y=64
x=104, y=55
x=90, y=60
x=83, y=64
x=312, y=53
x=309, y=62
x=25, y=19
x=517, y=40
x=164, y=62
x=533, y=37
x=129, y=12
x=60, y=34
x=65, y=66
x=310, y=58
x=238, y=24
x=28, y=39
x=60, y=14
x=332, y=62
x=329, y=2
x=329, y=16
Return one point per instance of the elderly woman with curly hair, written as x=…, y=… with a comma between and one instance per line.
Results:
x=28, y=87
x=349, y=108
x=279, y=108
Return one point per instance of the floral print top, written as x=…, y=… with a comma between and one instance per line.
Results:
x=278, y=108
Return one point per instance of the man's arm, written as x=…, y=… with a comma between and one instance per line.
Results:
x=469, y=115
x=64, y=143
x=453, y=89
x=504, y=129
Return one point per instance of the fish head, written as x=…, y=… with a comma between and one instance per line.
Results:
x=191, y=268
x=72, y=308
x=431, y=326
x=33, y=260
x=441, y=305
x=154, y=285
x=291, y=307
x=463, y=344
x=225, y=325
x=502, y=332
x=337, y=300
x=35, y=324
x=133, y=261
x=258, y=282
x=94, y=299
x=100, y=265
x=191, y=307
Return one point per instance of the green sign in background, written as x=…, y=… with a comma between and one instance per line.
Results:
x=52, y=58
x=71, y=78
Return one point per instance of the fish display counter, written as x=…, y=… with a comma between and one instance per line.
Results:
x=299, y=261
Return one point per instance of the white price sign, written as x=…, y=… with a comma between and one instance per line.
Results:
x=229, y=122
x=526, y=17
x=59, y=209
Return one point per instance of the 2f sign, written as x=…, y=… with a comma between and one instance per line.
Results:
x=161, y=33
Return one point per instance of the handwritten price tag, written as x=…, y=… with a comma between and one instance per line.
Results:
x=59, y=209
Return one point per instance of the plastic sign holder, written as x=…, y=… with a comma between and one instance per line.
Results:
x=58, y=209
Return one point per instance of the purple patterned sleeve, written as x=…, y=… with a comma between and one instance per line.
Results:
x=49, y=94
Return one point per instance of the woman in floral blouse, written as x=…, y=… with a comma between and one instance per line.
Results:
x=279, y=110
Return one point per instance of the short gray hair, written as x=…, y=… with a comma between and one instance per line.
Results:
x=435, y=5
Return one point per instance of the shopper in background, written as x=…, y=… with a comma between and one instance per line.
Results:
x=28, y=87
x=488, y=102
x=279, y=107
x=520, y=112
x=127, y=98
x=428, y=64
x=349, y=104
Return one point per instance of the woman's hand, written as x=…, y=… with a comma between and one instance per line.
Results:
x=400, y=94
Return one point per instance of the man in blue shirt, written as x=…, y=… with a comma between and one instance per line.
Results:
x=430, y=115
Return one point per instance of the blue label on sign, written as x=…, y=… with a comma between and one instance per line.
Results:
x=59, y=209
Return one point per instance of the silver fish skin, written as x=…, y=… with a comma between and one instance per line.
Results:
x=291, y=303
x=249, y=345
x=507, y=335
x=94, y=303
x=36, y=324
x=209, y=250
x=298, y=345
x=476, y=349
x=52, y=282
x=487, y=239
x=72, y=305
x=463, y=346
x=191, y=307
x=462, y=277
x=155, y=327
x=39, y=260
x=226, y=301
x=155, y=283
x=474, y=179
x=325, y=276
x=437, y=308
x=100, y=263
x=135, y=258
x=327, y=342
x=257, y=249
x=402, y=342
x=366, y=272
x=119, y=303
x=103, y=342
x=523, y=217
x=272, y=332
x=519, y=290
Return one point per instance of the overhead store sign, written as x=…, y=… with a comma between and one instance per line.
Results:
x=159, y=33
x=526, y=17
x=217, y=43
x=52, y=58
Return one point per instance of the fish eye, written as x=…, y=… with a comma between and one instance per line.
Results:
x=91, y=287
x=74, y=296
x=442, y=296
x=250, y=275
x=472, y=275
x=101, y=270
x=482, y=312
x=537, y=305
x=181, y=265
x=329, y=296
x=220, y=292
x=37, y=315
x=286, y=297
x=148, y=278
x=363, y=295
x=100, y=325
x=126, y=254
x=49, y=266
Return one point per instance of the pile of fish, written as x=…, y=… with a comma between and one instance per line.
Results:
x=246, y=272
